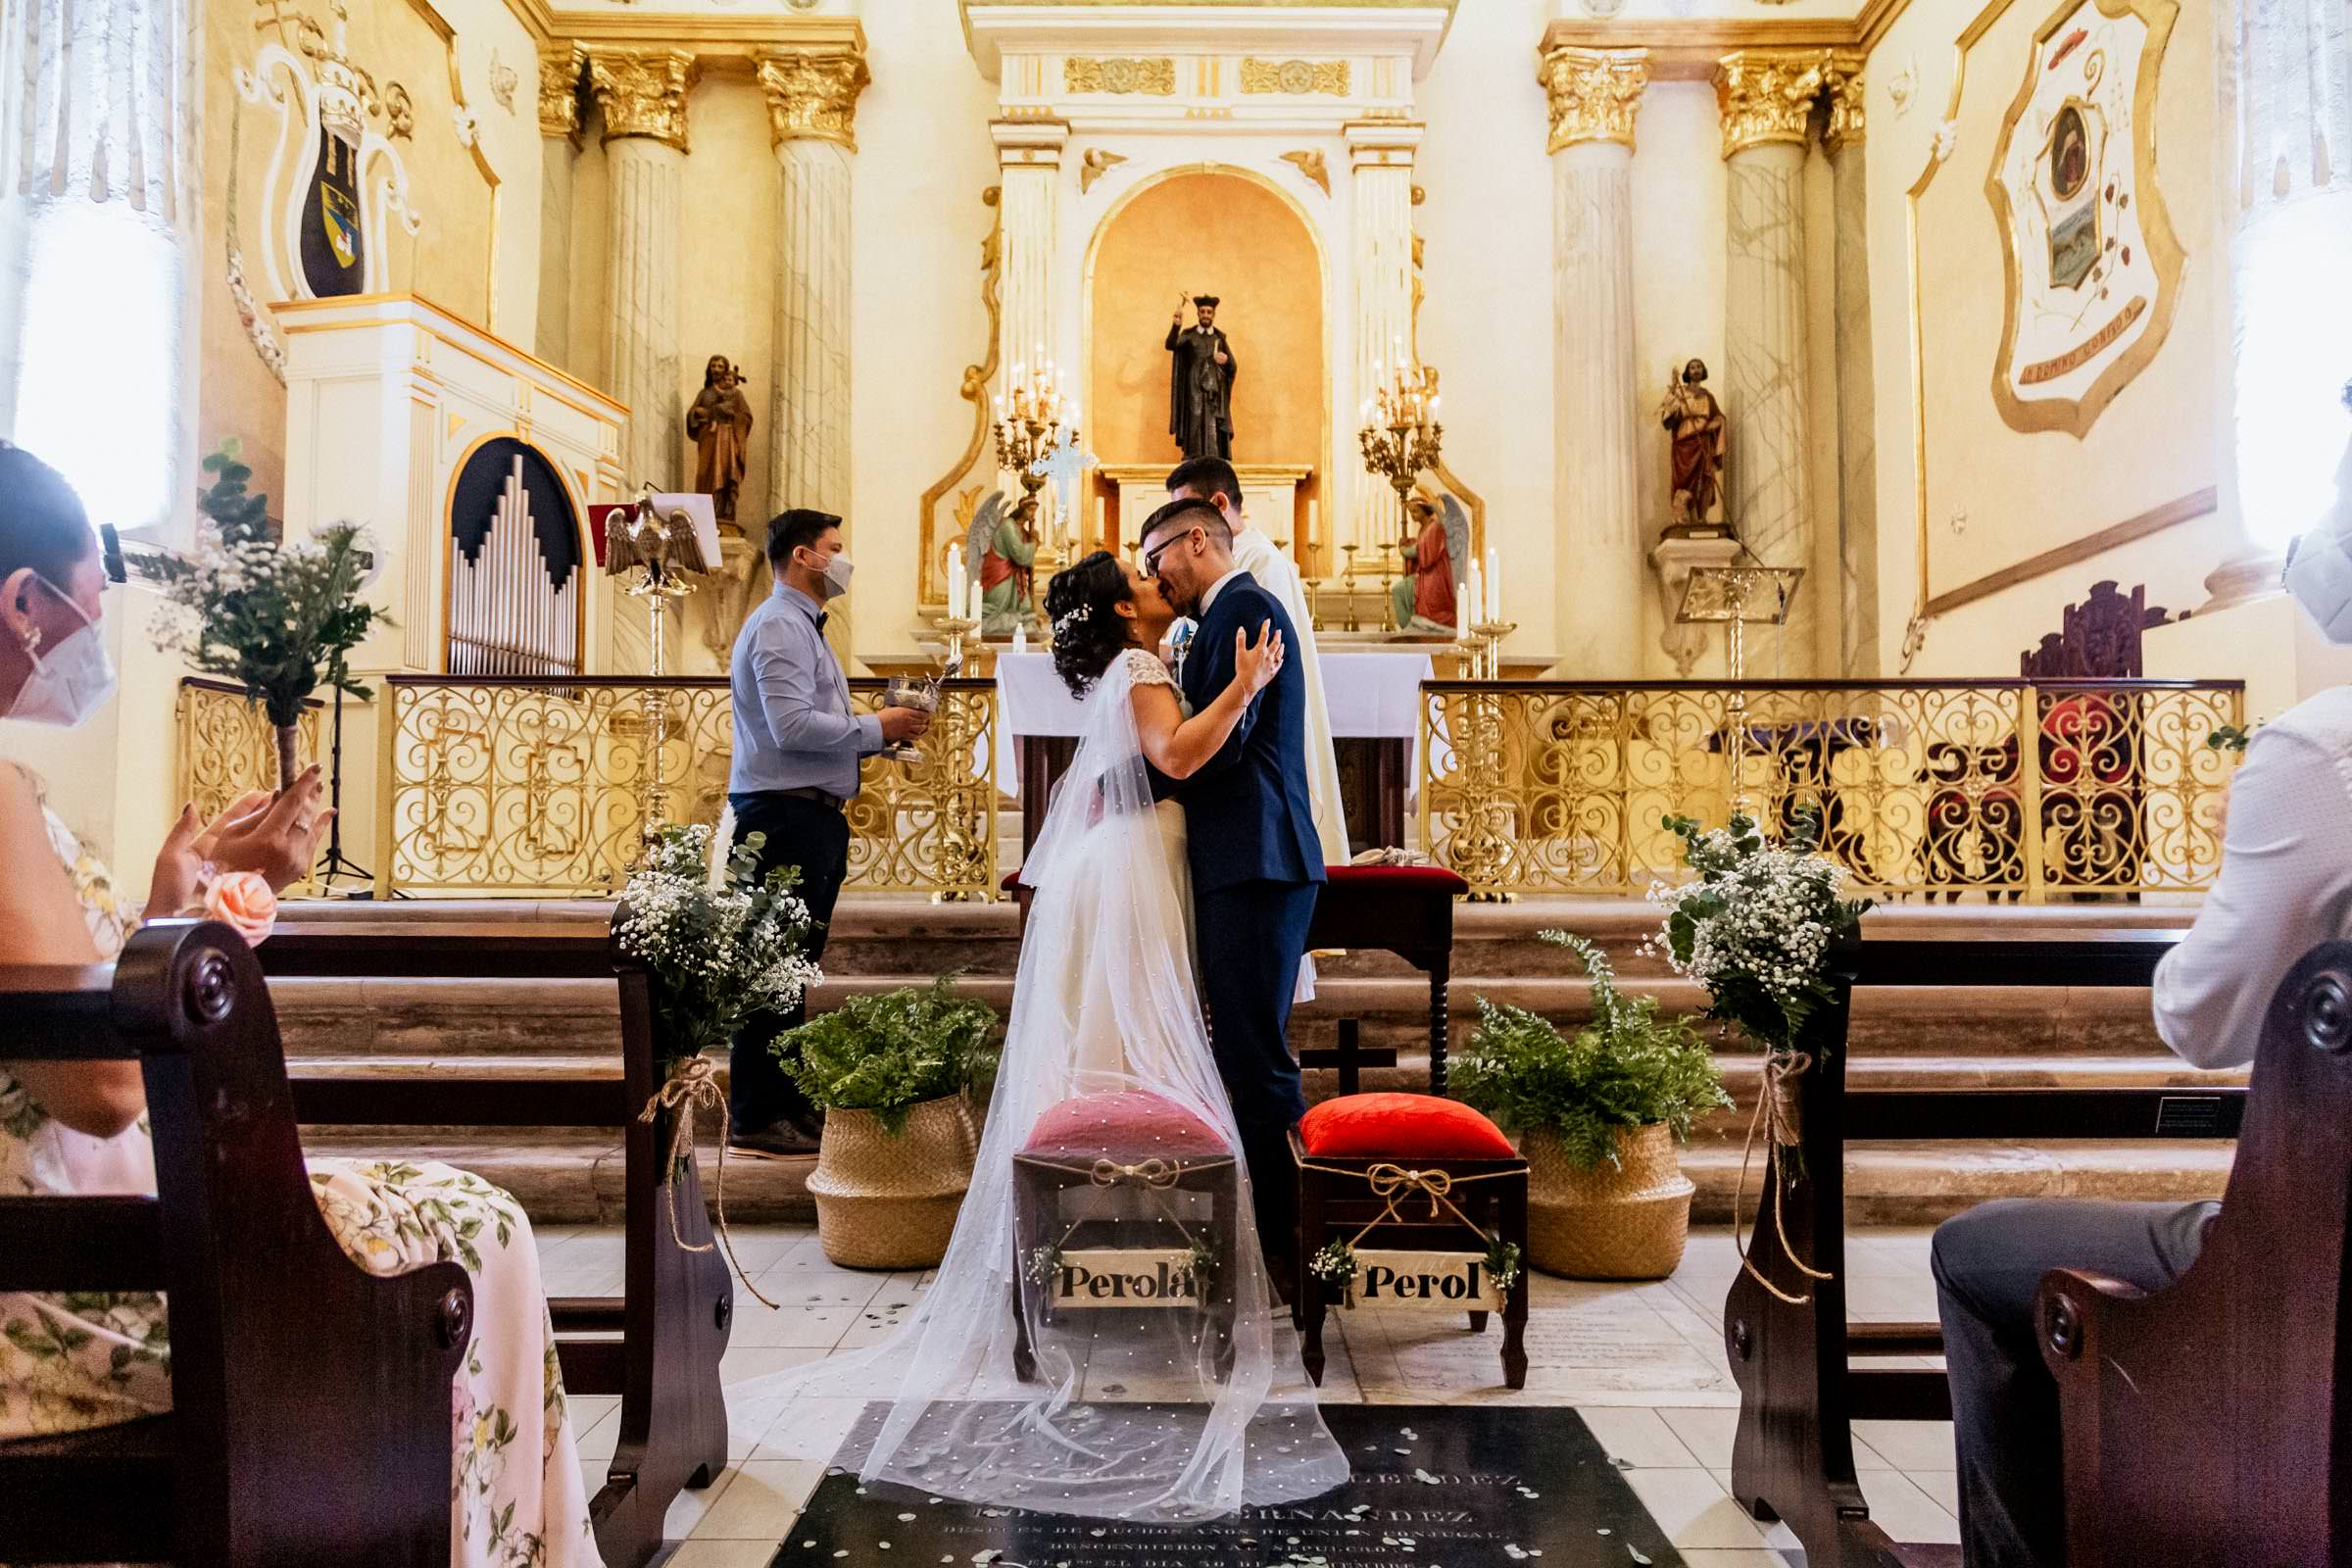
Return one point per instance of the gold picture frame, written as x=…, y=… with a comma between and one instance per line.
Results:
x=2165, y=256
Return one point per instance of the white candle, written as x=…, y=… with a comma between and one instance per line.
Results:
x=1314, y=514
x=1493, y=584
x=972, y=611
x=1102, y=536
x=1478, y=591
x=1461, y=608
x=954, y=581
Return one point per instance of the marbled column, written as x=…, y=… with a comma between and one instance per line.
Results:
x=99, y=148
x=560, y=67
x=643, y=93
x=1766, y=97
x=1594, y=96
x=811, y=109
x=1857, y=631
x=1029, y=155
x=1381, y=157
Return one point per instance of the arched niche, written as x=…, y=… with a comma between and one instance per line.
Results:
x=1208, y=229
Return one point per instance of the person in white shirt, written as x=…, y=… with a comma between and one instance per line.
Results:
x=1212, y=479
x=2285, y=886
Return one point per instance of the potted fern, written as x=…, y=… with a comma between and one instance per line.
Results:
x=897, y=1075
x=1599, y=1114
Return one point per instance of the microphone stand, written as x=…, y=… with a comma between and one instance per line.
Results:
x=335, y=862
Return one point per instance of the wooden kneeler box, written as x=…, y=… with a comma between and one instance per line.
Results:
x=1140, y=1153
x=1422, y=1228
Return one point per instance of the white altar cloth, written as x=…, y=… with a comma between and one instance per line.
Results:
x=1372, y=695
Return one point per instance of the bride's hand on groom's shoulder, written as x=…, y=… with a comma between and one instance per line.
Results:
x=1255, y=667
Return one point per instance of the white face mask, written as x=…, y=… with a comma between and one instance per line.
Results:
x=72, y=681
x=836, y=578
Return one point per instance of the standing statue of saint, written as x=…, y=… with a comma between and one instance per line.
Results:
x=1693, y=421
x=1201, y=369
x=720, y=425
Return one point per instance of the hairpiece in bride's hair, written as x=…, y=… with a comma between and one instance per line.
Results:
x=1071, y=617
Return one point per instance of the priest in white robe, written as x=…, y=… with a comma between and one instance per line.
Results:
x=1212, y=479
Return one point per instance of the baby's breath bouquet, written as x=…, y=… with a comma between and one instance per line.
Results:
x=721, y=945
x=278, y=619
x=1755, y=922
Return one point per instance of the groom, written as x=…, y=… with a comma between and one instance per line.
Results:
x=1255, y=858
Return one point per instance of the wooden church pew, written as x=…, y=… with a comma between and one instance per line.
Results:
x=1792, y=1457
x=2209, y=1424
x=312, y=1398
x=657, y=1344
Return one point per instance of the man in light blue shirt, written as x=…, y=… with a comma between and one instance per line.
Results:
x=798, y=742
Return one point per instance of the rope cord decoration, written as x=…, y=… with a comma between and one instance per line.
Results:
x=1395, y=1183
x=1777, y=1114
x=694, y=1083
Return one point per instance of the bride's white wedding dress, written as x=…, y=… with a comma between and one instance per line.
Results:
x=1166, y=1412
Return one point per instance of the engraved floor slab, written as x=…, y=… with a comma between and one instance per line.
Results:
x=1434, y=1486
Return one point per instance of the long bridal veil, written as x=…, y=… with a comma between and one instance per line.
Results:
x=1101, y=1338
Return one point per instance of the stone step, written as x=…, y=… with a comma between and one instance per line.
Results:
x=576, y=1179
x=466, y=1018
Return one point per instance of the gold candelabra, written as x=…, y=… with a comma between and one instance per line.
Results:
x=1401, y=433
x=1031, y=427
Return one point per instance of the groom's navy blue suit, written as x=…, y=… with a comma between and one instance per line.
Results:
x=1257, y=863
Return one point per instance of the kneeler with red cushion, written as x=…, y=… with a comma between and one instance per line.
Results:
x=1421, y=1166
x=1131, y=1141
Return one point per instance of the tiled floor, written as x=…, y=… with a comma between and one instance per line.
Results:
x=1644, y=1363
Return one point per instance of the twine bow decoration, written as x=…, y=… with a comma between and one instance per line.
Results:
x=695, y=1082
x=1156, y=1175
x=1779, y=1113
x=1396, y=1183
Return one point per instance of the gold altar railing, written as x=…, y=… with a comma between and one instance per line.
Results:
x=525, y=785
x=1547, y=788
x=226, y=748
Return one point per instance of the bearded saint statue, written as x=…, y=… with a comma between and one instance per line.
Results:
x=1694, y=420
x=720, y=425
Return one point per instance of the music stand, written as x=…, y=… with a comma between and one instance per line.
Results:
x=1736, y=598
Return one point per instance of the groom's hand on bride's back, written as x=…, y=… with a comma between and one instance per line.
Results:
x=1255, y=667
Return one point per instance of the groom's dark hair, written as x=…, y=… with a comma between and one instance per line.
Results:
x=1190, y=511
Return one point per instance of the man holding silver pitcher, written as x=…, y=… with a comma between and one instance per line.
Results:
x=798, y=742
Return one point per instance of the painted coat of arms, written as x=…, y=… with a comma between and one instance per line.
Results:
x=2093, y=264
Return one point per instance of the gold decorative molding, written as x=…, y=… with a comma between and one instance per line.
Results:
x=1842, y=85
x=720, y=41
x=1097, y=162
x=643, y=92
x=1297, y=77
x=1594, y=93
x=1315, y=166
x=1766, y=96
x=1154, y=77
x=812, y=95
x=973, y=390
x=559, y=65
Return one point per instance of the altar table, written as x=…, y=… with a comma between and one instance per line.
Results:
x=1375, y=700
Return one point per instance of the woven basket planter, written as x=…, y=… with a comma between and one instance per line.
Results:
x=1626, y=1221
x=888, y=1202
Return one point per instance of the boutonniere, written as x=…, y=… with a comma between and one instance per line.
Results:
x=1182, y=644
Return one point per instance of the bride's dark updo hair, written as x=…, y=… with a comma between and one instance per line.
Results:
x=1088, y=632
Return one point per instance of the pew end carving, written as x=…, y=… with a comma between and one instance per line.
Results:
x=2209, y=1423
x=281, y=1451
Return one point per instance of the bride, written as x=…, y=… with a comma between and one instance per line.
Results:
x=1109, y=1130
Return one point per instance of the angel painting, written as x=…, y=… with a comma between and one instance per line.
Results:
x=1438, y=536
x=664, y=543
x=999, y=553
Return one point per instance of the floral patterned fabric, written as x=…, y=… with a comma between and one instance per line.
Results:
x=90, y=1359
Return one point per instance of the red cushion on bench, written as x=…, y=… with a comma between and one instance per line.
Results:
x=1395, y=1126
x=1133, y=1121
x=1398, y=878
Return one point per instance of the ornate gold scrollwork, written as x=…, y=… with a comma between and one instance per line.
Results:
x=1766, y=95
x=813, y=95
x=643, y=92
x=1595, y=94
x=1297, y=77
x=560, y=67
x=1154, y=78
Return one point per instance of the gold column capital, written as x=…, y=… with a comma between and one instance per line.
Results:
x=643, y=92
x=812, y=93
x=1842, y=85
x=1594, y=93
x=1766, y=95
x=559, y=63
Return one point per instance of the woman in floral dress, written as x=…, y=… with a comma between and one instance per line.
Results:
x=90, y=1359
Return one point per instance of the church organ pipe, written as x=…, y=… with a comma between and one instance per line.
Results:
x=506, y=617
